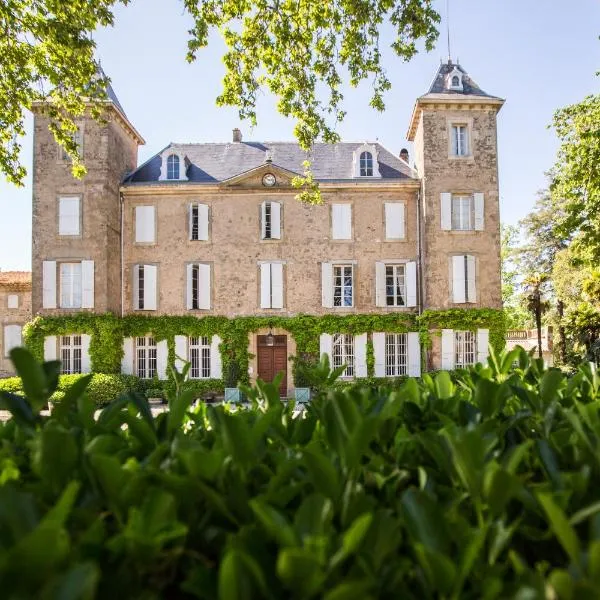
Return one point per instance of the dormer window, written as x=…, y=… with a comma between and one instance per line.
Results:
x=455, y=80
x=173, y=167
x=366, y=164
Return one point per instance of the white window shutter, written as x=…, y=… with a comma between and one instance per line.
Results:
x=483, y=340
x=50, y=348
x=447, y=349
x=446, y=206
x=162, y=355
x=188, y=288
x=191, y=220
x=49, y=284
x=325, y=345
x=479, y=209
x=275, y=220
x=127, y=360
x=12, y=338
x=414, y=354
x=265, y=285
x=411, y=284
x=86, y=363
x=204, y=292
x=360, y=355
x=181, y=352
x=68, y=216
x=380, y=289
x=379, y=354
x=150, y=273
x=87, y=284
x=263, y=220
x=13, y=301
x=471, y=284
x=341, y=221
x=458, y=279
x=394, y=220
x=144, y=224
x=276, y=285
x=327, y=284
x=203, y=222
x=216, y=366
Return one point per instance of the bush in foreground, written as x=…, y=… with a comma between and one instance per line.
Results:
x=484, y=485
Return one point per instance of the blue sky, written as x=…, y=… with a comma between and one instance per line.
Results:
x=538, y=55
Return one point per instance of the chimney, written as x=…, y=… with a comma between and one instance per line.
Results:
x=404, y=155
x=237, y=135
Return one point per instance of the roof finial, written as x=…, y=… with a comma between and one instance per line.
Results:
x=448, y=30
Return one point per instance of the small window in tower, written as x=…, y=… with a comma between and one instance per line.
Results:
x=366, y=164
x=173, y=167
x=455, y=81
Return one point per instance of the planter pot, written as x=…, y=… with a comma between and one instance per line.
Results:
x=233, y=395
x=302, y=395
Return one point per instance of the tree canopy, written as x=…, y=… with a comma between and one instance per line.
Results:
x=301, y=51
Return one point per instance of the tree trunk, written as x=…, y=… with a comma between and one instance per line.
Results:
x=538, y=324
x=562, y=336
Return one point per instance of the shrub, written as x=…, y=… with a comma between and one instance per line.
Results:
x=484, y=483
x=11, y=384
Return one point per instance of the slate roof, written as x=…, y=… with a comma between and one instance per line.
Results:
x=470, y=88
x=217, y=162
x=111, y=93
x=15, y=278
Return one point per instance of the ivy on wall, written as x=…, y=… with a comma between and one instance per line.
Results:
x=107, y=332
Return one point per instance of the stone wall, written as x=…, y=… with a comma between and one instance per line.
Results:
x=12, y=316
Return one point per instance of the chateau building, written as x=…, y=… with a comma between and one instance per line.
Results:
x=214, y=230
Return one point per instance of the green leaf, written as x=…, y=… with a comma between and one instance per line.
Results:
x=78, y=583
x=178, y=406
x=300, y=571
x=237, y=579
x=424, y=520
x=71, y=395
x=444, y=388
x=19, y=409
x=33, y=376
x=352, y=538
x=324, y=476
x=141, y=403
x=275, y=523
x=350, y=590
x=550, y=385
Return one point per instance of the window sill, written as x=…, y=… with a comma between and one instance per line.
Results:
x=467, y=158
x=145, y=243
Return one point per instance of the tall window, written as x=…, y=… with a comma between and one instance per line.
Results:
x=70, y=285
x=342, y=353
x=194, y=222
x=455, y=81
x=462, y=213
x=268, y=224
x=465, y=349
x=173, y=166
x=195, y=286
x=199, y=349
x=141, y=288
x=366, y=164
x=396, y=354
x=70, y=354
x=343, y=294
x=68, y=215
x=395, y=285
x=146, y=357
x=78, y=139
x=460, y=140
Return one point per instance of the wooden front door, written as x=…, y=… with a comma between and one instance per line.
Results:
x=272, y=359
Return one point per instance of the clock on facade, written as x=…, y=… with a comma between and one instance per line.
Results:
x=269, y=179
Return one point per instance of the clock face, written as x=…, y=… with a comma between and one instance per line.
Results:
x=269, y=179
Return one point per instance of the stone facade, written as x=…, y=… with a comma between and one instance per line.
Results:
x=15, y=310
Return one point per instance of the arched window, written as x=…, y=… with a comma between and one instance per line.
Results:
x=455, y=81
x=366, y=164
x=173, y=167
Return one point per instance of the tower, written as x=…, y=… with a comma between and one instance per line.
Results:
x=453, y=128
x=76, y=241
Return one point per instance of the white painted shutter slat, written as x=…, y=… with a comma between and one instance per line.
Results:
x=86, y=362
x=49, y=284
x=447, y=349
x=479, y=206
x=127, y=360
x=275, y=220
x=341, y=221
x=162, y=355
x=136, y=287
x=483, y=340
x=12, y=338
x=327, y=284
x=360, y=355
x=263, y=220
x=68, y=216
x=446, y=207
x=188, y=287
x=150, y=272
x=276, y=285
x=414, y=354
x=204, y=292
x=380, y=295
x=13, y=301
x=346, y=222
x=50, y=350
x=144, y=224
x=216, y=366
x=191, y=220
x=87, y=284
x=394, y=220
x=379, y=354
x=265, y=285
x=458, y=279
x=471, y=284
x=181, y=353
x=411, y=284
x=325, y=345
x=203, y=217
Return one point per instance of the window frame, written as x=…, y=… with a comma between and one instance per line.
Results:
x=78, y=137
x=61, y=284
x=459, y=199
x=343, y=286
x=395, y=267
x=10, y=305
x=465, y=344
x=173, y=161
x=79, y=215
x=396, y=362
x=146, y=350
x=365, y=164
x=343, y=352
x=203, y=348
x=70, y=350
x=11, y=327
